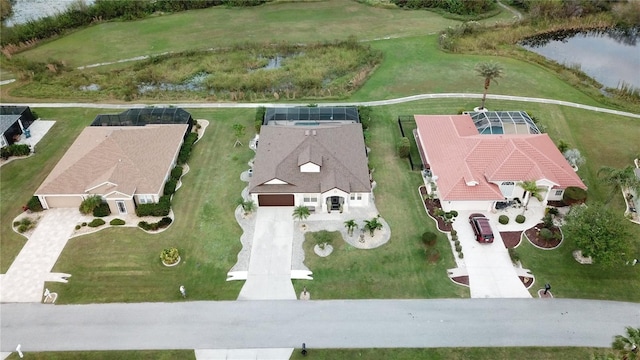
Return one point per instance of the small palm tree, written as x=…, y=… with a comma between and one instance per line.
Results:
x=533, y=189
x=620, y=178
x=629, y=345
x=489, y=71
x=350, y=225
x=372, y=225
x=301, y=213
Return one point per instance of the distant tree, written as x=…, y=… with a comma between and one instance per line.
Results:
x=629, y=345
x=5, y=9
x=489, y=71
x=238, y=130
x=599, y=233
x=90, y=203
x=301, y=213
x=620, y=178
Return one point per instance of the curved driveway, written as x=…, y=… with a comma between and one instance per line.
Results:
x=319, y=324
x=355, y=103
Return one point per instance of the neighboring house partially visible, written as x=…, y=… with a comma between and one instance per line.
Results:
x=476, y=162
x=323, y=167
x=125, y=165
x=145, y=116
x=14, y=120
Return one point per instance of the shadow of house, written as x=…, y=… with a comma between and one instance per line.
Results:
x=14, y=120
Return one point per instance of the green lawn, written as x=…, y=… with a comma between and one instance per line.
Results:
x=122, y=265
x=222, y=26
x=398, y=269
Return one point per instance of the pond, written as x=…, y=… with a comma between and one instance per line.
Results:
x=25, y=10
x=611, y=57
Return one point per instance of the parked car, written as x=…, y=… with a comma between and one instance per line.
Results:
x=481, y=228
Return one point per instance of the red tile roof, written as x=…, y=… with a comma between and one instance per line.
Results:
x=468, y=163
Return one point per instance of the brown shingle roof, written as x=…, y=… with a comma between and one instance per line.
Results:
x=134, y=159
x=339, y=150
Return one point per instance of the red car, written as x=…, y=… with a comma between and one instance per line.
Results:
x=481, y=228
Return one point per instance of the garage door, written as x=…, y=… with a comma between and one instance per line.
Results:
x=275, y=200
x=63, y=201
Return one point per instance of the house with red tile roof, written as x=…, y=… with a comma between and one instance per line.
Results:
x=473, y=170
x=322, y=167
x=125, y=165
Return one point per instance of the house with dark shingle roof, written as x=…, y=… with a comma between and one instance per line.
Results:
x=321, y=167
x=125, y=165
x=14, y=120
x=474, y=170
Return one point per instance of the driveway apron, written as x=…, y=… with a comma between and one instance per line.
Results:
x=491, y=272
x=24, y=281
x=269, y=276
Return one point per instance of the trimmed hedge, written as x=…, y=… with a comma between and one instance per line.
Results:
x=429, y=238
x=163, y=223
x=15, y=150
x=503, y=219
x=101, y=210
x=185, y=150
x=161, y=208
x=176, y=173
x=404, y=147
x=260, y=111
x=96, y=223
x=117, y=222
x=34, y=204
x=574, y=195
x=170, y=187
x=520, y=219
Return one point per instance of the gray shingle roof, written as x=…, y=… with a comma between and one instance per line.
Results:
x=340, y=151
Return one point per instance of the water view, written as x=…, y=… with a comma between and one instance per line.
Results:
x=25, y=10
x=611, y=57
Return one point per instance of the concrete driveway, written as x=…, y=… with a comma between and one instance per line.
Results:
x=269, y=275
x=491, y=272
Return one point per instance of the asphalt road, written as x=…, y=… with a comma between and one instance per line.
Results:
x=319, y=324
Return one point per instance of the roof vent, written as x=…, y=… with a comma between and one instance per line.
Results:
x=313, y=132
x=306, y=133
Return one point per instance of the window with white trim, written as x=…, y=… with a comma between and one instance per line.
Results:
x=559, y=192
x=352, y=196
x=310, y=198
x=145, y=199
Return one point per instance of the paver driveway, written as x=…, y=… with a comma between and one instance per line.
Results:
x=269, y=276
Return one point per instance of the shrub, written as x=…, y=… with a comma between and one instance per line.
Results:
x=161, y=208
x=24, y=224
x=260, y=111
x=553, y=211
x=456, y=243
x=503, y=219
x=176, y=173
x=520, y=219
x=90, y=203
x=78, y=227
x=433, y=254
x=438, y=212
x=22, y=228
x=116, y=222
x=170, y=187
x=164, y=222
x=364, y=113
x=169, y=256
x=185, y=150
x=102, y=210
x=547, y=221
x=404, y=147
x=458, y=248
x=574, y=195
x=429, y=238
x=460, y=255
x=546, y=234
x=84, y=224
x=453, y=213
x=454, y=232
x=96, y=223
x=34, y=204
x=15, y=150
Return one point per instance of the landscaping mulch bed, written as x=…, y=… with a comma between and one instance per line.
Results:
x=431, y=205
x=535, y=239
x=511, y=239
x=462, y=280
x=526, y=281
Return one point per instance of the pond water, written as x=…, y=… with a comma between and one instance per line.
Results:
x=611, y=57
x=195, y=83
x=24, y=10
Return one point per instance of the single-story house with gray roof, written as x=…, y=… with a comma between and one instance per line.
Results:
x=324, y=168
x=13, y=121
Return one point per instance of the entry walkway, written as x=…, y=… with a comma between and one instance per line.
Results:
x=24, y=281
x=269, y=275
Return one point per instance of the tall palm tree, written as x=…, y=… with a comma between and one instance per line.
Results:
x=350, y=225
x=372, y=225
x=628, y=346
x=533, y=189
x=620, y=178
x=489, y=71
x=301, y=213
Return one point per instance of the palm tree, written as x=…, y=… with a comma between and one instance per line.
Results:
x=533, y=189
x=489, y=71
x=350, y=225
x=301, y=212
x=628, y=346
x=620, y=178
x=372, y=225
